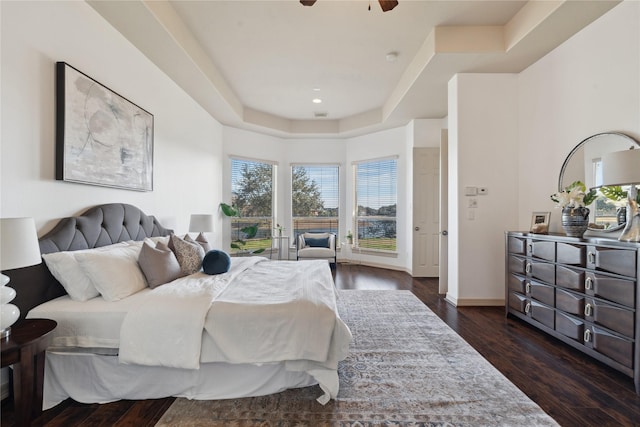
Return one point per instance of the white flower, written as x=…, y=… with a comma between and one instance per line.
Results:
x=574, y=196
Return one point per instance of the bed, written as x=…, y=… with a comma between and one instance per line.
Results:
x=259, y=328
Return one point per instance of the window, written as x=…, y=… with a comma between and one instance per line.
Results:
x=315, y=196
x=252, y=195
x=376, y=199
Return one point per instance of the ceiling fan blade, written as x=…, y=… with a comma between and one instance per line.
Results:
x=307, y=2
x=387, y=5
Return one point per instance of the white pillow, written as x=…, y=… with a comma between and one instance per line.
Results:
x=65, y=268
x=115, y=274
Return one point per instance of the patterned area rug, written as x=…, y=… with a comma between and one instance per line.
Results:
x=406, y=368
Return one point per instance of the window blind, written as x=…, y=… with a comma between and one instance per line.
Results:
x=315, y=198
x=376, y=201
x=252, y=187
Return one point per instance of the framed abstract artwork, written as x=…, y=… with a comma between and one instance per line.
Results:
x=101, y=137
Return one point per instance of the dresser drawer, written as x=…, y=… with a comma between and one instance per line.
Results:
x=616, y=318
x=604, y=342
x=570, y=326
x=571, y=254
x=541, y=270
x=517, y=264
x=517, y=245
x=542, y=313
x=542, y=250
x=619, y=261
x=541, y=292
x=613, y=289
x=517, y=283
x=570, y=302
x=518, y=302
x=570, y=278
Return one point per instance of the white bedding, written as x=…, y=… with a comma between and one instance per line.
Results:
x=87, y=324
x=167, y=328
x=283, y=312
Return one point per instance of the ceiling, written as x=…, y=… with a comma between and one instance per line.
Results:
x=259, y=64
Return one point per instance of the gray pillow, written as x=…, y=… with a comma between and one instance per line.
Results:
x=201, y=240
x=159, y=265
x=189, y=254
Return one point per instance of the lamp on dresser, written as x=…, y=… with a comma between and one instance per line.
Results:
x=18, y=248
x=623, y=168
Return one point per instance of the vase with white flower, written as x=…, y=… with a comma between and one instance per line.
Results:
x=279, y=229
x=573, y=201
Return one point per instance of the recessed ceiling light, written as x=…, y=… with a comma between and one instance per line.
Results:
x=317, y=101
x=320, y=114
x=316, y=89
x=392, y=56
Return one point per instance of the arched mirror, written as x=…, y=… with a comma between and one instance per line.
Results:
x=584, y=164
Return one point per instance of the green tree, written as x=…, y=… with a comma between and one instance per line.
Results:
x=306, y=197
x=255, y=191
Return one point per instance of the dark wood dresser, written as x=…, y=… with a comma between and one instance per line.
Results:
x=584, y=292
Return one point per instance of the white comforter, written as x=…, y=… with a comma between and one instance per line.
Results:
x=258, y=312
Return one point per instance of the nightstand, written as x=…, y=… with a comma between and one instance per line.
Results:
x=25, y=350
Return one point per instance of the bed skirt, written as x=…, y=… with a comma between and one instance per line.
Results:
x=92, y=378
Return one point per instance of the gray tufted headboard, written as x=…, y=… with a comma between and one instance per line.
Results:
x=99, y=226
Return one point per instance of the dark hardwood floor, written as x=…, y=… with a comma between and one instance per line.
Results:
x=574, y=389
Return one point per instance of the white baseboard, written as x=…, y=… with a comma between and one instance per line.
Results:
x=475, y=302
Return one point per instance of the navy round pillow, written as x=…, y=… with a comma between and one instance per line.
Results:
x=216, y=262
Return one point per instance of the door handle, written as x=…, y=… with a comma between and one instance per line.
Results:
x=417, y=228
x=445, y=233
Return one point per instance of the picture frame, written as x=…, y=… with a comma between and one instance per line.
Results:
x=102, y=138
x=540, y=222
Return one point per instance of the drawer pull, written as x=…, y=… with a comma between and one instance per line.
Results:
x=528, y=287
x=527, y=308
x=591, y=257
x=528, y=268
x=588, y=310
x=587, y=335
x=530, y=248
x=588, y=283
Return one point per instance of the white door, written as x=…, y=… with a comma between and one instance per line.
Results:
x=443, y=283
x=426, y=212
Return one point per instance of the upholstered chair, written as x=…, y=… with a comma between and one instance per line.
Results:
x=316, y=246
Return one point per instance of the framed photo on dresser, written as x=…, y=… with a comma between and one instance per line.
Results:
x=540, y=222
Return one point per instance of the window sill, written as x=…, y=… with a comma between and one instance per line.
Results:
x=374, y=252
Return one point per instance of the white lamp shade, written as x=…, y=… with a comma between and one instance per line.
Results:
x=201, y=223
x=18, y=243
x=621, y=167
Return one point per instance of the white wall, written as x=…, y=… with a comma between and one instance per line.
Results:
x=588, y=85
x=483, y=129
x=187, y=141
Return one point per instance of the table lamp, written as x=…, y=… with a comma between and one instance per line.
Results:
x=623, y=168
x=201, y=223
x=18, y=248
